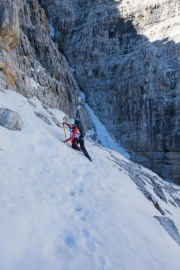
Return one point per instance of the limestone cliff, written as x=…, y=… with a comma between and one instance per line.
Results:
x=30, y=62
x=125, y=56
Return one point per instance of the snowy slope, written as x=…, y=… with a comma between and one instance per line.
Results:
x=59, y=211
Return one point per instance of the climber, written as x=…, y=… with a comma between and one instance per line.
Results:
x=76, y=137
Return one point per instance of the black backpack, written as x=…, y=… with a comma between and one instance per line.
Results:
x=80, y=127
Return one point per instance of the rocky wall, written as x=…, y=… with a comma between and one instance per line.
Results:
x=30, y=62
x=125, y=56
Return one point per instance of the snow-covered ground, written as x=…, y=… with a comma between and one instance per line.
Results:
x=59, y=211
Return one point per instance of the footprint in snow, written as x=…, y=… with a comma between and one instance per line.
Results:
x=88, y=241
x=101, y=262
x=85, y=233
x=78, y=208
x=80, y=192
x=72, y=193
x=83, y=218
x=85, y=215
x=70, y=241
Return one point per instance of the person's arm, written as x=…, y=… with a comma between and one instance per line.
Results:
x=64, y=123
x=73, y=135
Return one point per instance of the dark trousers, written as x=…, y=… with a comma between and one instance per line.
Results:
x=82, y=147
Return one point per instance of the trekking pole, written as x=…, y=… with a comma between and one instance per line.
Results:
x=64, y=130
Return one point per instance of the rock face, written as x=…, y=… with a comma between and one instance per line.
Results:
x=9, y=39
x=30, y=62
x=9, y=23
x=125, y=56
x=43, y=118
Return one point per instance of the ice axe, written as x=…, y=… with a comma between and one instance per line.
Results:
x=65, y=118
x=64, y=130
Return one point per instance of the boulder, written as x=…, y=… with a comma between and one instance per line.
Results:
x=10, y=119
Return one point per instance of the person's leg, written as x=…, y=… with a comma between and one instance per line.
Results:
x=81, y=142
x=75, y=146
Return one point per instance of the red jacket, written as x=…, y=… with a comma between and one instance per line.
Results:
x=75, y=131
